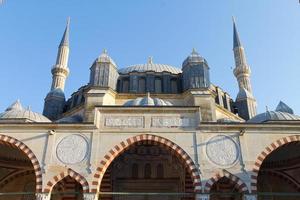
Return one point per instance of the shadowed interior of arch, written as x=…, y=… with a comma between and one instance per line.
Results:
x=16, y=173
x=147, y=167
x=280, y=171
x=225, y=189
x=67, y=189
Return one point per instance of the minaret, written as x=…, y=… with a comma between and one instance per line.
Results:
x=55, y=99
x=245, y=101
x=60, y=70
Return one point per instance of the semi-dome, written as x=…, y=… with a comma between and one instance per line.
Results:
x=148, y=101
x=273, y=116
x=150, y=67
x=17, y=112
x=282, y=113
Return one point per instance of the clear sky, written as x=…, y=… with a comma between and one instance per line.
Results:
x=132, y=30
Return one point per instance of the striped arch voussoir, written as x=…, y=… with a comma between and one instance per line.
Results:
x=240, y=185
x=34, y=161
x=80, y=179
x=269, y=149
x=150, y=139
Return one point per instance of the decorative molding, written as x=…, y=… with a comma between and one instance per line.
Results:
x=240, y=185
x=80, y=179
x=72, y=149
x=171, y=121
x=124, y=121
x=155, y=140
x=262, y=156
x=222, y=150
x=90, y=196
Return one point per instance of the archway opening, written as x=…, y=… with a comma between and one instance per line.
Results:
x=225, y=189
x=146, y=167
x=67, y=189
x=280, y=173
x=17, y=173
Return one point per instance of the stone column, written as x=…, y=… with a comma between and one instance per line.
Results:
x=202, y=196
x=249, y=197
x=42, y=196
x=90, y=196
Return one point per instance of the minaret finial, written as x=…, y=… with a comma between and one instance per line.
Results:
x=236, y=37
x=105, y=51
x=150, y=60
x=65, y=38
x=194, y=51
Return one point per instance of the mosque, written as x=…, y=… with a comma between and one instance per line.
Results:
x=149, y=131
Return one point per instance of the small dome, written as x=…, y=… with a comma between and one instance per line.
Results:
x=194, y=57
x=150, y=67
x=148, y=101
x=273, y=116
x=105, y=58
x=17, y=112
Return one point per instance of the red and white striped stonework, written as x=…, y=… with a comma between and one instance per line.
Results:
x=153, y=140
x=7, y=140
x=240, y=185
x=80, y=179
x=273, y=146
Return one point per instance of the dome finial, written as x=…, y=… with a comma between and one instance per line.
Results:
x=194, y=51
x=150, y=60
x=104, y=51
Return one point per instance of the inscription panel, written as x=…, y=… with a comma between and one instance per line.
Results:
x=72, y=149
x=124, y=121
x=172, y=121
x=222, y=150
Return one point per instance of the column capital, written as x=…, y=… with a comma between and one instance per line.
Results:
x=249, y=197
x=42, y=196
x=90, y=196
x=202, y=196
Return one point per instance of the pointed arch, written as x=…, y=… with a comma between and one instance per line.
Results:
x=69, y=172
x=262, y=156
x=240, y=185
x=151, y=139
x=31, y=156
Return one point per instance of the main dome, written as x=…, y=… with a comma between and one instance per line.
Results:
x=150, y=67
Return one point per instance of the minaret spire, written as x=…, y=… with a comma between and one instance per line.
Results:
x=60, y=70
x=236, y=37
x=65, y=39
x=245, y=101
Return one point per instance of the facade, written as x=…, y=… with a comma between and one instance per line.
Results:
x=149, y=128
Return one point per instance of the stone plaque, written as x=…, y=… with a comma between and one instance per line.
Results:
x=72, y=149
x=126, y=121
x=172, y=122
x=222, y=151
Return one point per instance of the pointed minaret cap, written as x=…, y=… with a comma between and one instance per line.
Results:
x=282, y=107
x=65, y=38
x=236, y=37
x=15, y=106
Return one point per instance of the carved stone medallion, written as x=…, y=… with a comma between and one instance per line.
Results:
x=72, y=149
x=222, y=151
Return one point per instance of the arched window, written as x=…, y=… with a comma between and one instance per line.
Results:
x=135, y=170
x=158, y=85
x=142, y=85
x=147, y=172
x=125, y=87
x=160, y=171
x=174, y=88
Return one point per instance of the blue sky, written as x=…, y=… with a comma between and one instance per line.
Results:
x=132, y=30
